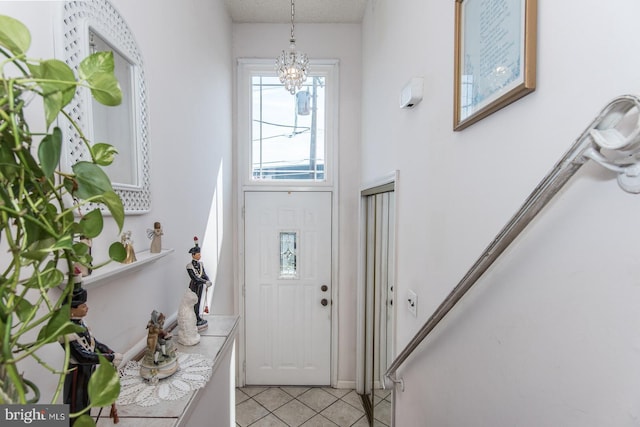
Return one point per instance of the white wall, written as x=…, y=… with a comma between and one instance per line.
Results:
x=186, y=48
x=342, y=42
x=549, y=336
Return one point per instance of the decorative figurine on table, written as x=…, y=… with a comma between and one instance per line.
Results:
x=126, y=241
x=84, y=350
x=156, y=238
x=199, y=281
x=187, y=328
x=159, y=360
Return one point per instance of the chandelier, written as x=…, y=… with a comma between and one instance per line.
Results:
x=292, y=66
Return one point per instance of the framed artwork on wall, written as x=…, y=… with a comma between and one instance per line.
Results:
x=495, y=56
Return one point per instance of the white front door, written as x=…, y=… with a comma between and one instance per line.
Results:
x=288, y=288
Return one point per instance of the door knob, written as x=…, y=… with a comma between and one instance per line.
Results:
x=324, y=301
x=324, y=288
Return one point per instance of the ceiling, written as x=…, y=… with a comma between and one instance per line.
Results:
x=279, y=11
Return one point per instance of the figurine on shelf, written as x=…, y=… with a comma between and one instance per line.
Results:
x=199, y=281
x=128, y=247
x=156, y=238
x=84, y=349
x=160, y=360
x=187, y=329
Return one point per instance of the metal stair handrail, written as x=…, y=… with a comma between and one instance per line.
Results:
x=612, y=140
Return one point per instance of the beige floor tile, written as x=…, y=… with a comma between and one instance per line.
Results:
x=240, y=396
x=382, y=412
x=317, y=399
x=353, y=399
x=273, y=398
x=269, y=421
x=383, y=394
x=304, y=407
x=249, y=412
x=294, y=413
x=362, y=422
x=342, y=413
x=295, y=391
x=319, y=421
x=337, y=392
x=252, y=391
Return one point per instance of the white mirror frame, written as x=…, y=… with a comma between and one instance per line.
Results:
x=72, y=45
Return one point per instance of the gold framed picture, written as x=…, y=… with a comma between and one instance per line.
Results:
x=495, y=56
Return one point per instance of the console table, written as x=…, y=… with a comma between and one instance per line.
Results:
x=213, y=405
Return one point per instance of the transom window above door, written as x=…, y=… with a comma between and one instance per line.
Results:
x=283, y=140
x=288, y=139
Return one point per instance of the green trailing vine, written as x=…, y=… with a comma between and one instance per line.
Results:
x=38, y=228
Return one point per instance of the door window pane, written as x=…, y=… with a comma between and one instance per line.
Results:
x=288, y=256
x=288, y=131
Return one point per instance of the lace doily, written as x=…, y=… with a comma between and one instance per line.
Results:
x=193, y=373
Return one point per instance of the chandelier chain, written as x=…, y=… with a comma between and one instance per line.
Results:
x=293, y=14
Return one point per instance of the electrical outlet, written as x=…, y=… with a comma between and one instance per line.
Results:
x=412, y=303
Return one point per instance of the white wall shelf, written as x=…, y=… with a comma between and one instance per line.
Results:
x=115, y=269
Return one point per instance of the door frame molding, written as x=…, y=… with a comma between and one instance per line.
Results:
x=245, y=67
x=382, y=184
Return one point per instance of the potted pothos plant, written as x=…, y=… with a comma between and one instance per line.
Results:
x=39, y=225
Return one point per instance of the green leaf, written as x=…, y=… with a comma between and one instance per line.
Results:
x=65, y=242
x=49, y=277
x=38, y=250
x=105, y=89
x=14, y=35
x=34, y=232
x=49, y=152
x=96, y=63
x=22, y=308
x=52, y=277
x=113, y=202
x=58, y=89
x=104, y=384
x=104, y=154
x=92, y=224
x=85, y=259
x=58, y=326
x=8, y=166
x=80, y=249
x=4, y=314
x=97, y=71
x=91, y=179
x=84, y=420
x=58, y=75
x=117, y=252
x=30, y=165
x=52, y=107
x=70, y=184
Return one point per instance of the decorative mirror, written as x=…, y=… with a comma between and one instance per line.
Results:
x=92, y=26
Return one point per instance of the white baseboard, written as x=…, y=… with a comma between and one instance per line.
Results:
x=351, y=385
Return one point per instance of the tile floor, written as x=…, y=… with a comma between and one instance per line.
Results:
x=303, y=407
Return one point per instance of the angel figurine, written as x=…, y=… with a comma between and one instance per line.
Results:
x=156, y=238
x=128, y=247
